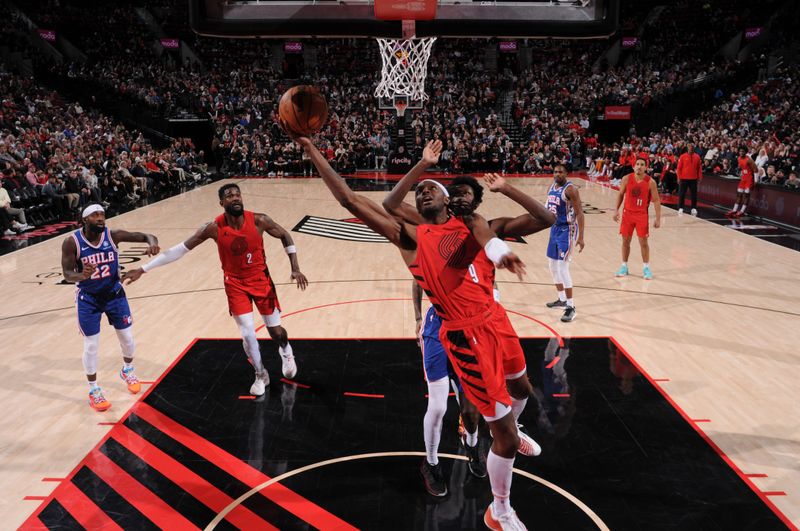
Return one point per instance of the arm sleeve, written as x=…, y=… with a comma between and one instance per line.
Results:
x=168, y=256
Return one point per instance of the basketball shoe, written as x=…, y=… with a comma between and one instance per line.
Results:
x=130, y=379
x=507, y=522
x=477, y=461
x=647, y=274
x=288, y=365
x=260, y=384
x=622, y=271
x=97, y=400
x=433, y=479
x=527, y=446
x=569, y=314
x=558, y=303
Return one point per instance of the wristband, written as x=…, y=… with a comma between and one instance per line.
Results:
x=496, y=249
x=290, y=249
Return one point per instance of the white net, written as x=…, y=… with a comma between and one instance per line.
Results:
x=405, y=67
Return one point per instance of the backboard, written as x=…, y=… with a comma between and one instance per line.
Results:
x=356, y=18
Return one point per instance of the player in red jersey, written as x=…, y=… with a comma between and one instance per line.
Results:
x=748, y=170
x=638, y=190
x=239, y=236
x=445, y=256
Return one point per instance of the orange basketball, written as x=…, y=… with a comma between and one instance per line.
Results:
x=303, y=110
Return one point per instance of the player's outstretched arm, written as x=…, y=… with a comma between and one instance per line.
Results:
x=69, y=262
x=496, y=249
x=361, y=207
x=209, y=230
x=268, y=225
x=620, y=196
x=538, y=217
x=394, y=202
x=574, y=197
x=656, y=201
x=140, y=237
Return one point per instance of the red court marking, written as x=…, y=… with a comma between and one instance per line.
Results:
x=774, y=493
x=553, y=363
x=33, y=519
x=83, y=509
x=54, y=479
x=145, y=500
x=561, y=395
x=35, y=498
x=708, y=440
x=757, y=475
x=555, y=334
x=247, y=397
x=701, y=420
x=290, y=382
x=661, y=379
x=364, y=395
x=195, y=485
x=288, y=499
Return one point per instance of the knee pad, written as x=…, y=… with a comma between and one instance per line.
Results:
x=91, y=344
x=437, y=397
x=555, y=270
x=126, y=342
x=566, y=278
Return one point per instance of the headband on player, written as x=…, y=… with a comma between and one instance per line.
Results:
x=437, y=183
x=91, y=209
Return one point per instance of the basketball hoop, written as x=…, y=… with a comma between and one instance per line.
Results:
x=404, y=66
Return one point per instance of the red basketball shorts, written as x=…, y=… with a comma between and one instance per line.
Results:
x=635, y=220
x=244, y=292
x=745, y=184
x=484, y=350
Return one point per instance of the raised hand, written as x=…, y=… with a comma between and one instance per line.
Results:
x=432, y=151
x=495, y=182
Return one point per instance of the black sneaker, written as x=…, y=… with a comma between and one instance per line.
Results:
x=433, y=479
x=558, y=303
x=569, y=314
x=477, y=462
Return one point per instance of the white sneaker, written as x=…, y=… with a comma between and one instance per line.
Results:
x=9, y=232
x=259, y=386
x=680, y=211
x=288, y=365
x=507, y=522
x=694, y=211
x=527, y=446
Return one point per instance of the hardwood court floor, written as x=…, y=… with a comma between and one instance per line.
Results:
x=717, y=327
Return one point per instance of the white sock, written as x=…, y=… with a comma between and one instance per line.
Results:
x=736, y=207
x=562, y=295
x=472, y=438
x=744, y=207
x=501, y=470
x=570, y=303
x=432, y=423
x=624, y=264
x=93, y=385
x=647, y=264
x=517, y=406
x=126, y=366
x=286, y=351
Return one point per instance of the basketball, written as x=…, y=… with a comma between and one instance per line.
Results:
x=303, y=110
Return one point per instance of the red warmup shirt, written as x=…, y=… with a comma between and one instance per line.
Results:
x=637, y=195
x=453, y=270
x=690, y=167
x=241, y=251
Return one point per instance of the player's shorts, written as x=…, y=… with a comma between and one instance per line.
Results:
x=434, y=357
x=745, y=184
x=244, y=292
x=562, y=241
x=91, y=308
x=485, y=352
x=635, y=220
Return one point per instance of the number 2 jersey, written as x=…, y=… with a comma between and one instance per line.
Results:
x=241, y=251
x=105, y=257
x=453, y=270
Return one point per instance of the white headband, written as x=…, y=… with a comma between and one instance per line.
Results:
x=437, y=183
x=91, y=209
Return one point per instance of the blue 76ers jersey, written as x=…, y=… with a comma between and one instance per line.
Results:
x=105, y=257
x=558, y=204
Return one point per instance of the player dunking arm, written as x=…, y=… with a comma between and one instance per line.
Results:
x=90, y=257
x=465, y=195
x=637, y=189
x=746, y=183
x=564, y=201
x=476, y=331
x=239, y=236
